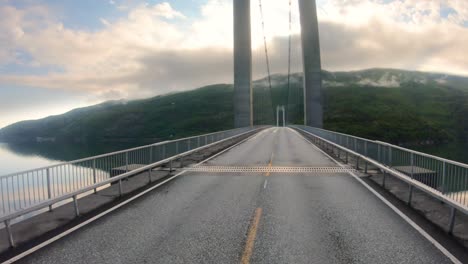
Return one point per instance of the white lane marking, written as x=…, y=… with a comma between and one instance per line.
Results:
x=231, y=147
x=67, y=232
x=265, y=184
x=94, y=218
x=396, y=210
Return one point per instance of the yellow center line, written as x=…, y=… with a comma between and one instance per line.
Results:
x=269, y=165
x=271, y=156
x=249, y=245
x=268, y=172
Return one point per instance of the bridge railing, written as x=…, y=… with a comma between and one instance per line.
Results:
x=444, y=179
x=24, y=190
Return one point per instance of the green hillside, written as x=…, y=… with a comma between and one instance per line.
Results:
x=180, y=114
x=403, y=107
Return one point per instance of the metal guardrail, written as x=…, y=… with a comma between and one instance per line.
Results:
x=32, y=190
x=443, y=179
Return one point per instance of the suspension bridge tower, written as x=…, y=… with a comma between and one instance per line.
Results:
x=243, y=108
x=313, y=111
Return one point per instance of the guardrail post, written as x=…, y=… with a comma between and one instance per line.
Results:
x=10, y=234
x=170, y=166
x=378, y=152
x=357, y=162
x=75, y=203
x=444, y=172
x=126, y=161
x=389, y=156
x=346, y=158
x=149, y=175
x=49, y=188
x=410, y=195
x=453, y=213
x=150, y=161
x=365, y=167
x=412, y=165
x=383, y=180
x=120, y=188
x=94, y=174
x=150, y=155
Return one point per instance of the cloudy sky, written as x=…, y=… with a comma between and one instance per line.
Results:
x=56, y=55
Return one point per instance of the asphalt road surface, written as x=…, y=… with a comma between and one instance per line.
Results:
x=228, y=217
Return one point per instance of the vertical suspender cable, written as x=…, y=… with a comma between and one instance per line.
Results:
x=289, y=61
x=266, y=55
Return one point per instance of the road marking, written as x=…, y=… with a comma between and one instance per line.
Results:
x=271, y=157
x=396, y=210
x=264, y=169
x=231, y=147
x=269, y=170
x=249, y=245
x=265, y=184
x=269, y=165
x=96, y=217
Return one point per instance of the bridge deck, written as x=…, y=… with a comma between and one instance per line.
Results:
x=208, y=217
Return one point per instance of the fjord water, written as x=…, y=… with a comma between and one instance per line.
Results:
x=11, y=161
x=21, y=157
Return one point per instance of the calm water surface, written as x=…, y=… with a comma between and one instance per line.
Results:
x=21, y=157
x=25, y=190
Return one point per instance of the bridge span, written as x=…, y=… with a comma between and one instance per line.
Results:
x=226, y=212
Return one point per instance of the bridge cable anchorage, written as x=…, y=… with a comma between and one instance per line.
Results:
x=266, y=55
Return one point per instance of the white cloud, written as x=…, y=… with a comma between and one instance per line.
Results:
x=156, y=49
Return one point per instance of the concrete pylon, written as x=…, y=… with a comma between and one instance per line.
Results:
x=243, y=111
x=313, y=111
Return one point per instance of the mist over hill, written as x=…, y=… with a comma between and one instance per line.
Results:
x=403, y=107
